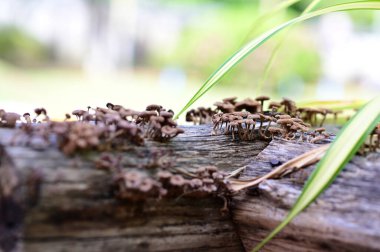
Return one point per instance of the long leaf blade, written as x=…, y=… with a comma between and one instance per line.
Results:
x=277, y=48
x=338, y=155
x=254, y=44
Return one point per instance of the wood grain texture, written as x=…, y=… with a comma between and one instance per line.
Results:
x=69, y=208
x=345, y=218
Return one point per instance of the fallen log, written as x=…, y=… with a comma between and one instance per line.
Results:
x=346, y=217
x=60, y=203
x=50, y=202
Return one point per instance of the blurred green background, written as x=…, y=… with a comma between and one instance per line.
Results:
x=68, y=54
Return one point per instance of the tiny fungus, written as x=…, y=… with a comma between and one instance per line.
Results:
x=245, y=122
x=249, y=105
x=261, y=99
x=224, y=107
x=231, y=100
x=9, y=119
x=79, y=113
x=274, y=106
x=27, y=118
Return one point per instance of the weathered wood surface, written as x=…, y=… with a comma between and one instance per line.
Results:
x=345, y=218
x=74, y=212
x=70, y=209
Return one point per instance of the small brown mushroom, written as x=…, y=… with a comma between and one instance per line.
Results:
x=79, y=113
x=249, y=105
x=231, y=100
x=154, y=107
x=224, y=107
x=9, y=119
x=261, y=99
x=27, y=118
x=275, y=131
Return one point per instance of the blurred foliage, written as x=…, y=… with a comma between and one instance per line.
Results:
x=362, y=18
x=19, y=48
x=226, y=26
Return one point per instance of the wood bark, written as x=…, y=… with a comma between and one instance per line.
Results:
x=346, y=217
x=67, y=206
x=50, y=202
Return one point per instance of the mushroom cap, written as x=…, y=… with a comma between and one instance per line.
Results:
x=153, y=107
x=147, y=114
x=117, y=107
x=296, y=126
x=128, y=112
x=170, y=131
x=283, y=116
x=317, y=138
x=79, y=112
x=248, y=102
x=157, y=119
x=241, y=113
x=208, y=181
x=320, y=130
x=164, y=174
x=274, y=105
x=177, y=180
x=166, y=114
x=40, y=111
x=298, y=120
x=262, y=98
x=287, y=101
x=171, y=122
x=275, y=130
x=10, y=117
x=167, y=130
x=125, y=125
x=230, y=100
x=284, y=121
x=112, y=117
x=211, y=168
x=224, y=107
x=26, y=114
x=253, y=116
x=195, y=183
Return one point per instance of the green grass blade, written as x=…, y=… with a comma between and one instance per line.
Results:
x=334, y=104
x=275, y=51
x=338, y=155
x=254, y=44
x=266, y=16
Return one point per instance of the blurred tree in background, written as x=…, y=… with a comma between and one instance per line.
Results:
x=20, y=48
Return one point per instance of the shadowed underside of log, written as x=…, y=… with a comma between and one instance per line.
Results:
x=346, y=217
x=69, y=207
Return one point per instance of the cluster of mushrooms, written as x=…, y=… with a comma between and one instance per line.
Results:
x=313, y=116
x=162, y=182
x=373, y=142
x=113, y=127
x=247, y=120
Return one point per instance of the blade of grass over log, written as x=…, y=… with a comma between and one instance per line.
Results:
x=266, y=16
x=277, y=48
x=254, y=44
x=338, y=155
x=335, y=105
